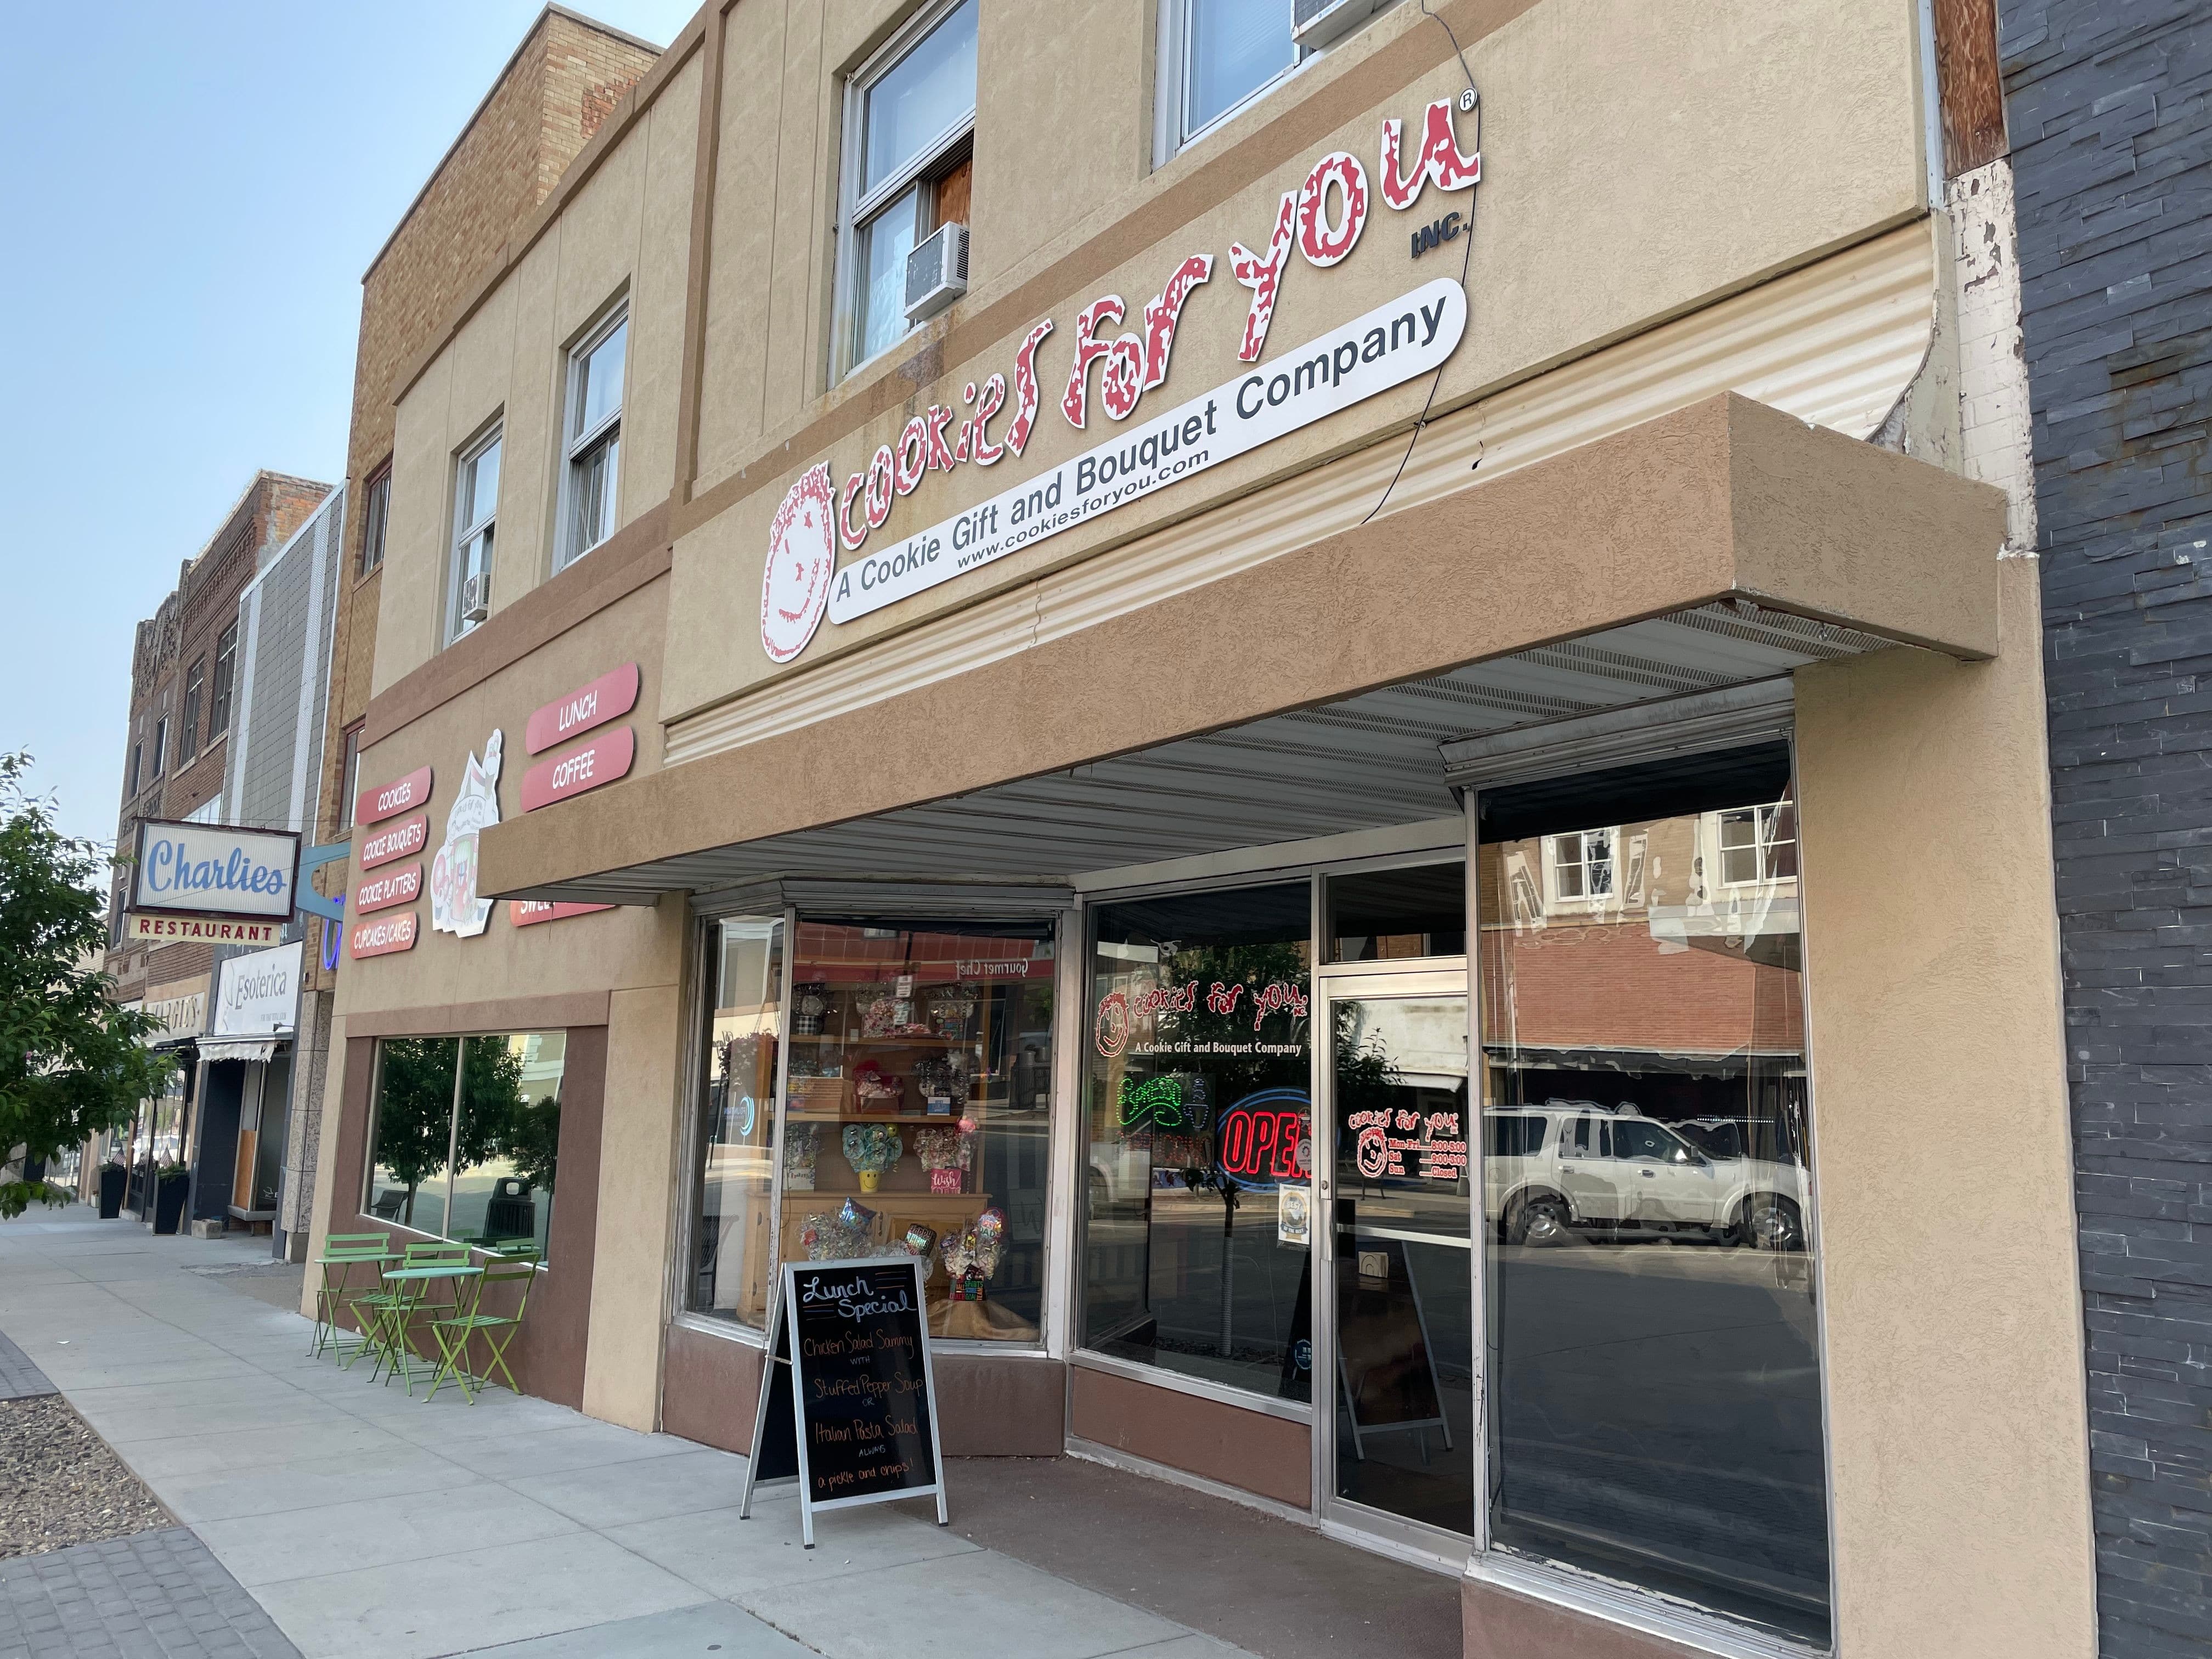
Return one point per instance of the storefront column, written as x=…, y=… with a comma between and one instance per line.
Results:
x=1959, y=1463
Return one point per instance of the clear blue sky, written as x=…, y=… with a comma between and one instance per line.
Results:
x=191, y=194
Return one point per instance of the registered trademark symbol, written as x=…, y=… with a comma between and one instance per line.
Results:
x=1467, y=101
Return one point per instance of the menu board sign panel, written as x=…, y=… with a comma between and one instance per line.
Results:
x=861, y=1426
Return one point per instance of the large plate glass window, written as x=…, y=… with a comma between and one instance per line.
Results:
x=466, y=1139
x=476, y=512
x=909, y=125
x=1654, y=1363
x=1199, y=1153
x=592, y=432
x=732, y=1237
x=921, y=1105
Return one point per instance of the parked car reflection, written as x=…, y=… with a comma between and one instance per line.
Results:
x=1572, y=1168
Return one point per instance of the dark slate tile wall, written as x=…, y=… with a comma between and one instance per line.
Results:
x=2112, y=142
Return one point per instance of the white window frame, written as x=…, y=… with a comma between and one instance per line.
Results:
x=855, y=211
x=1764, y=814
x=464, y=531
x=1553, y=896
x=376, y=521
x=577, y=445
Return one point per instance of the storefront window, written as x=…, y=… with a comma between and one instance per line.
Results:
x=733, y=1239
x=466, y=1137
x=1200, y=1153
x=1654, y=1361
x=1388, y=915
x=921, y=1109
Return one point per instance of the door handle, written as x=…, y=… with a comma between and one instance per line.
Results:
x=1647, y=1174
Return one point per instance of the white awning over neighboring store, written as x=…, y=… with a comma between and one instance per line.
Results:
x=262, y=1048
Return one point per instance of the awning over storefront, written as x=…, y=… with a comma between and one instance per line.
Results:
x=260, y=1048
x=1318, y=693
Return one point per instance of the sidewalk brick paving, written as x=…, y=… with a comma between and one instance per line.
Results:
x=19, y=1378
x=160, y=1596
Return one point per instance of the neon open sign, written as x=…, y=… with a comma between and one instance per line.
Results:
x=1266, y=1139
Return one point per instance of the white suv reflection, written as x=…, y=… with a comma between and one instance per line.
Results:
x=1573, y=1165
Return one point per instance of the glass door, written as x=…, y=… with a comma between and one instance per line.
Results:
x=1397, y=1251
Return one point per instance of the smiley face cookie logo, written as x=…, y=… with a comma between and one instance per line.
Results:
x=801, y=558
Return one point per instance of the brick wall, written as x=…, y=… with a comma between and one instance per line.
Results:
x=2112, y=151
x=564, y=79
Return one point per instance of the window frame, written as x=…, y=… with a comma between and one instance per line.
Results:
x=349, y=772
x=161, y=742
x=194, y=693
x=1172, y=133
x=1761, y=847
x=857, y=210
x=375, y=521
x=577, y=446
x=1584, y=900
x=490, y=436
x=223, y=682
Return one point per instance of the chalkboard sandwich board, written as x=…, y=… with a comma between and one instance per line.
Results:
x=848, y=1404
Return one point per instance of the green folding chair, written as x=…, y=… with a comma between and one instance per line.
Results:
x=387, y=1312
x=343, y=1251
x=514, y=1250
x=498, y=1331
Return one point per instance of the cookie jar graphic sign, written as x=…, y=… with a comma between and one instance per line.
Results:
x=1321, y=220
x=455, y=906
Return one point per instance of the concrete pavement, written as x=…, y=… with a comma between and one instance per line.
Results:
x=364, y=1522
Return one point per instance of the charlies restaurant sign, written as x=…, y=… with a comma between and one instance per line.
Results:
x=1323, y=219
x=214, y=870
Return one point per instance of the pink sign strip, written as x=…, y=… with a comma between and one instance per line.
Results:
x=396, y=842
x=374, y=805
x=528, y=913
x=601, y=761
x=385, y=935
x=382, y=892
x=610, y=695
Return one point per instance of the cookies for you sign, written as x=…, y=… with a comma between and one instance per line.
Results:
x=1320, y=221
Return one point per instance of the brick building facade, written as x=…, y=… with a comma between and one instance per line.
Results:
x=2111, y=138
x=567, y=75
x=185, y=688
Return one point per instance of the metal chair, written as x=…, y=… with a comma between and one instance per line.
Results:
x=498, y=1331
x=342, y=1251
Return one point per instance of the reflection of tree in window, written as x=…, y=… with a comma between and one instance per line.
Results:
x=414, y=1126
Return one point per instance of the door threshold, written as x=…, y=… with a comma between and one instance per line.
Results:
x=1437, y=1552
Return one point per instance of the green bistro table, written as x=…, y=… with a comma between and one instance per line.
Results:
x=342, y=1251
x=411, y=1286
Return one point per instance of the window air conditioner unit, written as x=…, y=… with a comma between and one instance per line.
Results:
x=1318, y=23
x=476, y=597
x=936, y=272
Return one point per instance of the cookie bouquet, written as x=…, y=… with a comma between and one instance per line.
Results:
x=873, y=1150
x=800, y=1148
x=972, y=1254
x=947, y=1154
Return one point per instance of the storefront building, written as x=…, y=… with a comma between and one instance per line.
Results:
x=247, y=1060
x=1353, y=722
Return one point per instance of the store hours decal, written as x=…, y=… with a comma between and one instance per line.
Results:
x=1321, y=220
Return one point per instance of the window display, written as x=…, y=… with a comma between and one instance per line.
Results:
x=465, y=1140
x=1655, y=1367
x=919, y=1113
x=1199, y=1167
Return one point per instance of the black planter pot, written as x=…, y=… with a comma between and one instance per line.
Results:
x=113, y=1178
x=169, y=1204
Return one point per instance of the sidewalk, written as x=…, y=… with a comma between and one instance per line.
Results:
x=366, y=1522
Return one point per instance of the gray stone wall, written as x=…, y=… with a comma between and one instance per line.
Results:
x=2112, y=147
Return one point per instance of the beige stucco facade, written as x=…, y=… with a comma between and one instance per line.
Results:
x=1709, y=371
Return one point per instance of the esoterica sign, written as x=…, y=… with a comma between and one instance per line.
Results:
x=1320, y=220
x=212, y=870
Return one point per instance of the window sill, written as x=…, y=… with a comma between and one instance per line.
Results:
x=743, y=1335
x=1623, y=1604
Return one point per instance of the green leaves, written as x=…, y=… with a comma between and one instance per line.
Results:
x=71, y=1063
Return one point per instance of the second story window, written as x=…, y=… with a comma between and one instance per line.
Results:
x=225, y=669
x=1215, y=56
x=910, y=117
x=161, y=742
x=592, y=432
x=476, y=512
x=376, y=507
x=137, y=757
x=1757, y=843
x=350, y=785
x=194, y=693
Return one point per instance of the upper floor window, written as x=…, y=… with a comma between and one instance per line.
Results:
x=476, y=512
x=226, y=671
x=195, y=693
x=137, y=755
x=161, y=743
x=1580, y=866
x=1757, y=843
x=909, y=120
x=376, y=507
x=1216, y=56
x=593, y=435
x=350, y=775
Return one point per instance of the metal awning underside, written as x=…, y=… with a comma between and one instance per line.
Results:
x=1367, y=763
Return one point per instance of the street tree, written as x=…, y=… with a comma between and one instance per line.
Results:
x=72, y=1062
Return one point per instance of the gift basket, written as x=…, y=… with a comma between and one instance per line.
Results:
x=873, y=1150
x=801, y=1145
x=948, y=1154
